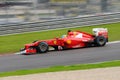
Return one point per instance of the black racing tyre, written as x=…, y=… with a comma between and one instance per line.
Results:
x=42, y=47
x=100, y=41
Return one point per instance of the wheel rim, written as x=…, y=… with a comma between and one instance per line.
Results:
x=101, y=41
x=43, y=47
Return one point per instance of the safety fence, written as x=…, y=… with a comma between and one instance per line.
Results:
x=80, y=21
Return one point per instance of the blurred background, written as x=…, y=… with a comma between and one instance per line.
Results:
x=19, y=11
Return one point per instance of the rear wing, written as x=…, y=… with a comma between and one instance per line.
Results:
x=100, y=32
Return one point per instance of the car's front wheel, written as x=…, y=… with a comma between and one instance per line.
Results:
x=43, y=47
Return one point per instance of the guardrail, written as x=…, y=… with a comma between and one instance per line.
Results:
x=61, y=23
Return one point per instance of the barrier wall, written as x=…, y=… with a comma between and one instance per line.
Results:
x=86, y=20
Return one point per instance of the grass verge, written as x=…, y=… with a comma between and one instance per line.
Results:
x=13, y=43
x=62, y=68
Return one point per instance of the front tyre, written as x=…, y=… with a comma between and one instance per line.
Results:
x=43, y=47
x=100, y=41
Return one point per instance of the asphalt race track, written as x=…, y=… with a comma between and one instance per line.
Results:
x=53, y=58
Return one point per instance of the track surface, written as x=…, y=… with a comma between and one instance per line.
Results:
x=66, y=57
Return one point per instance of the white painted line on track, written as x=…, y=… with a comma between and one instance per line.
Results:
x=113, y=42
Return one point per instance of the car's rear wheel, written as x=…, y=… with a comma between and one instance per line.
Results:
x=100, y=41
x=43, y=47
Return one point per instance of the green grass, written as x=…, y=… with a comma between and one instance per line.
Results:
x=62, y=68
x=12, y=43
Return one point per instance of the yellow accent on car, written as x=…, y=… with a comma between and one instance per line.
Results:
x=74, y=34
x=55, y=42
x=68, y=41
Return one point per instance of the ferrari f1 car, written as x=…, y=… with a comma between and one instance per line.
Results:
x=73, y=39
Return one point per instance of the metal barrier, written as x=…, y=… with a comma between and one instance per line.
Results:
x=61, y=23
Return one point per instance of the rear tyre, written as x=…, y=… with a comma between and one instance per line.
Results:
x=100, y=41
x=43, y=47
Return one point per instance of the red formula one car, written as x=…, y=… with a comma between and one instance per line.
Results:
x=74, y=39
